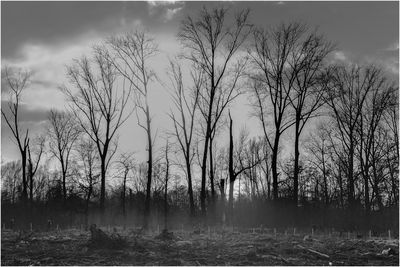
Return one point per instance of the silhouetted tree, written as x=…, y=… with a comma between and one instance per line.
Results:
x=307, y=59
x=37, y=146
x=126, y=165
x=375, y=105
x=98, y=104
x=131, y=54
x=275, y=69
x=16, y=81
x=186, y=105
x=212, y=42
x=87, y=170
x=346, y=94
x=63, y=131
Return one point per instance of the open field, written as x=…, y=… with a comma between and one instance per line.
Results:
x=209, y=247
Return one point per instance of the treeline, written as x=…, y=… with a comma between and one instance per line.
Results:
x=340, y=171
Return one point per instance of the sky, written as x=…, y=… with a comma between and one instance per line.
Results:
x=44, y=37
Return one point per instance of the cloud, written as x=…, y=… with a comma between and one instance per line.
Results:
x=47, y=63
x=170, y=13
x=165, y=9
x=26, y=112
x=393, y=47
x=340, y=56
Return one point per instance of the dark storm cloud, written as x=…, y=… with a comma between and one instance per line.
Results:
x=26, y=113
x=359, y=26
x=52, y=22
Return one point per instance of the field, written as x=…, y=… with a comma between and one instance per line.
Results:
x=208, y=247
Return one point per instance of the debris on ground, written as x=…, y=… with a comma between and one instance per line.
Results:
x=166, y=236
x=184, y=243
x=388, y=251
x=98, y=247
x=99, y=239
x=314, y=252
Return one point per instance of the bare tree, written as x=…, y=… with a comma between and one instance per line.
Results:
x=391, y=117
x=211, y=45
x=307, y=59
x=319, y=149
x=346, y=94
x=99, y=105
x=87, y=166
x=375, y=105
x=273, y=79
x=63, y=131
x=131, y=54
x=17, y=80
x=166, y=179
x=184, y=119
x=11, y=180
x=233, y=164
x=37, y=146
x=126, y=165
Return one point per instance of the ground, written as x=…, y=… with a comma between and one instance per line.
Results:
x=209, y=247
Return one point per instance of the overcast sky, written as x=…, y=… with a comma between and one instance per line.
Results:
x=45, y=36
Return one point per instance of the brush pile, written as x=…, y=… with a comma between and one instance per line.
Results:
x=99, y=239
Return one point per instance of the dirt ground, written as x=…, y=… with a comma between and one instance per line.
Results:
x=72, y=247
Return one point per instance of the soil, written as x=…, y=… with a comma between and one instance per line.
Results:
x=72, y=247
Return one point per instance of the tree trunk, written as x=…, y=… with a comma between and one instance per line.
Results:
x=350, y=176
x=232, y=176
x=166, y=202
x=341, y=188
x=64, y=174
x=124, y=197
x=190, y=187
x=30, y=174
x=212, y=172
x=206, y=141
x=222, y=184
x=203, y=174
x=103, y=185
x=149, y=170
x=325, y=181
x=274, y=159
x=87, y=207
x=296, y=164
x=24, y=182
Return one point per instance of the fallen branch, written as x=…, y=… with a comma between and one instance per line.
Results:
x=314, y=252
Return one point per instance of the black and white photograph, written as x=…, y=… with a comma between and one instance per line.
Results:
x=199, y=133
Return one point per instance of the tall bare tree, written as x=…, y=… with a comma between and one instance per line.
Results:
x=16, y=81
x=212, y=42
x=376, y=104
x=131, y=53
x=273, y=79
x=35, y=152
x=391, y=117
x=99, y=105
x=63, y=131
x=346, y=94
x=186, y=104
x=166, y=180
x=307, y=59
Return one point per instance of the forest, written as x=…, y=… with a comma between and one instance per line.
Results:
x=327, y=156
